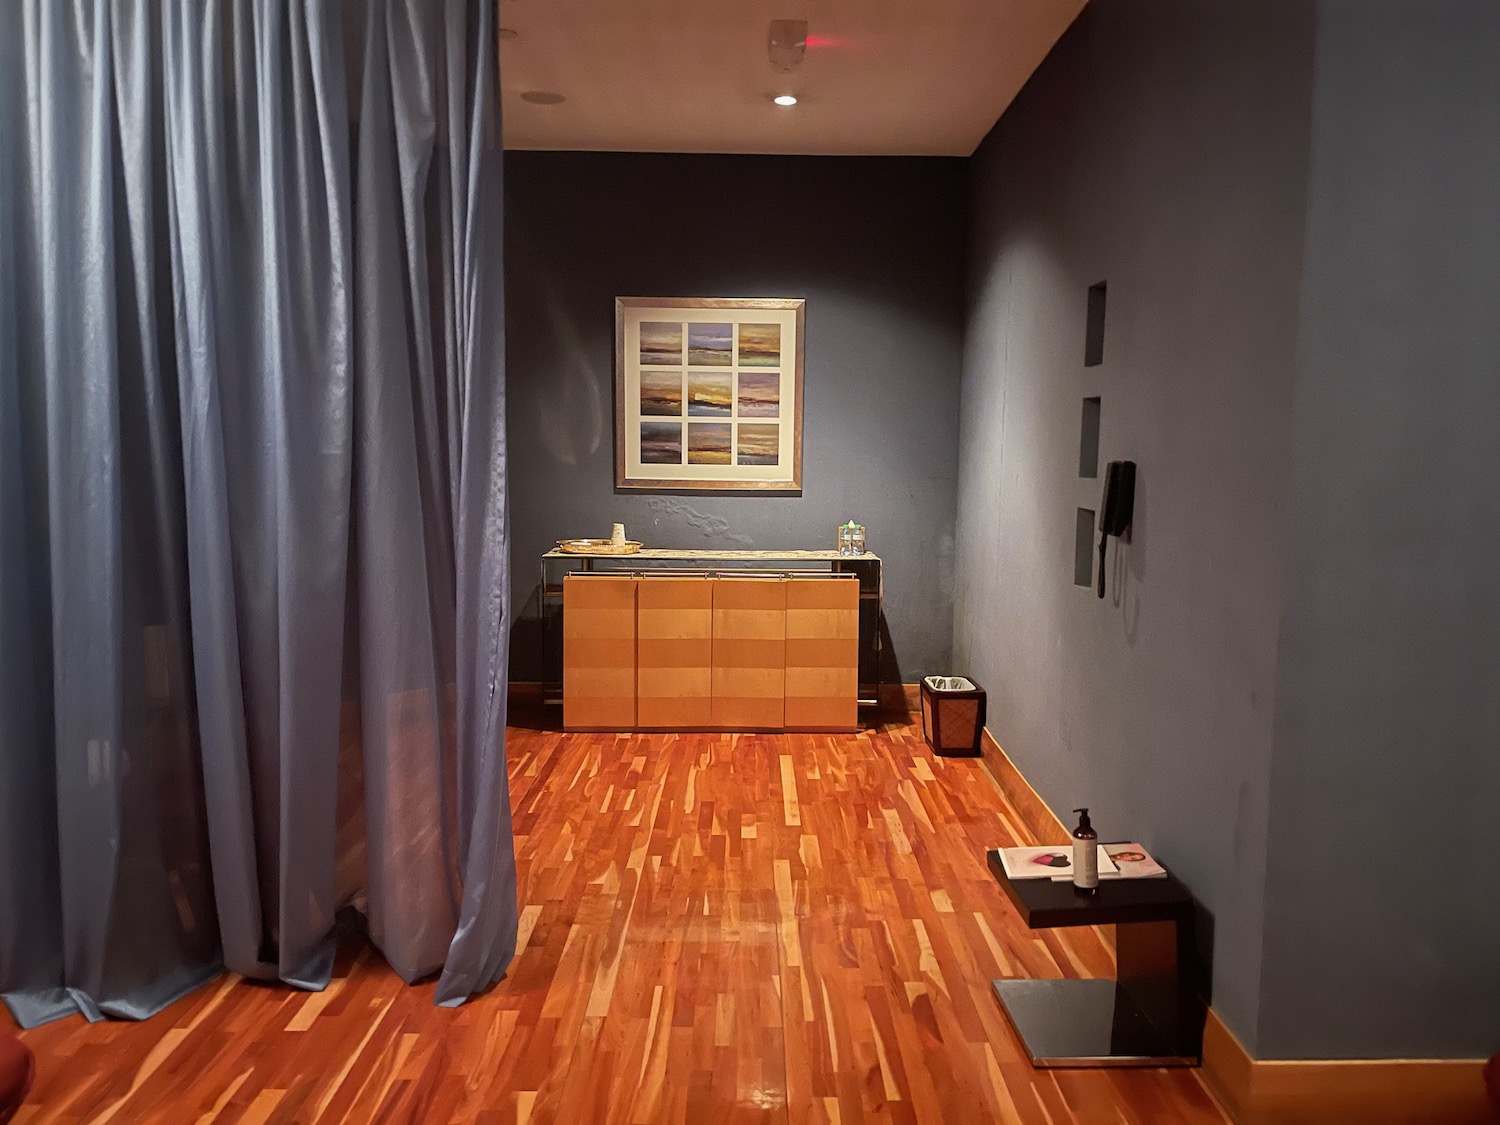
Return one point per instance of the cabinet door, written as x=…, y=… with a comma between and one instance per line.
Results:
x=674, y=648
x=599, y=652
x=822, y=654
x=749, y=685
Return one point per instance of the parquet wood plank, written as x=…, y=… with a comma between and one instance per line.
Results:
x=790, y=928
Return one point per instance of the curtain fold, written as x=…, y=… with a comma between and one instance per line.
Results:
x=252, y=497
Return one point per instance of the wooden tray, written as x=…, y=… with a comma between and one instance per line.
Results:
x=598, y=547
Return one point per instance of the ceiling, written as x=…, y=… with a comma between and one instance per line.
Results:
x=880, y=77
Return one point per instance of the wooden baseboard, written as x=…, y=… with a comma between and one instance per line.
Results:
x=1338, y=1091
x=1044, y=825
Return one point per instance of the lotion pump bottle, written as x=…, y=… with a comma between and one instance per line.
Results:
x=1085, y=853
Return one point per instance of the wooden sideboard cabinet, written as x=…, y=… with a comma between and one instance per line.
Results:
x=749, y=654
x=599, y=636
x=711, y=652
x=674, y=623
x=822, y=655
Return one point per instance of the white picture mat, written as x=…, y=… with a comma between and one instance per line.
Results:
x=784, y=469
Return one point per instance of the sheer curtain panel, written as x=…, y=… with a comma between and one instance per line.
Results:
x=253, y=526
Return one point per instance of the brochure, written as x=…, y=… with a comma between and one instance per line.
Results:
x=1134, y=862
x=1127, y=861
x=1055, y=862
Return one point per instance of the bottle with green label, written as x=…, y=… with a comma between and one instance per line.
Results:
x=852, y=538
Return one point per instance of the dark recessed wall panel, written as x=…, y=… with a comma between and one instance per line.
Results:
x=1083, y=547
x=1088, y=438
x=1093, y=340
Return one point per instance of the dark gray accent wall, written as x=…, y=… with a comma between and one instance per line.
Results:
x=1382, y=897
x=875, y=245
x=1161, y=147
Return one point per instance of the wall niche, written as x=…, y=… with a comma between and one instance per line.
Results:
x=1093, y=332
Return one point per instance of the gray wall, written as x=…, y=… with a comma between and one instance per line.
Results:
x=876, y=246
x=1161, y=146
x=1382, y=896
x=1293, y=693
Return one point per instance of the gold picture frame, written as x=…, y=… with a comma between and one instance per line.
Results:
x=708, y=393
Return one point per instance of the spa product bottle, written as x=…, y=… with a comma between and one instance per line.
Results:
x=851, y=538
x=1085, y=853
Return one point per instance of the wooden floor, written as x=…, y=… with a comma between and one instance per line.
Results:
x=714, y=928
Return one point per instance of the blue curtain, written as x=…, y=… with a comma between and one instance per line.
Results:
x=253, y=526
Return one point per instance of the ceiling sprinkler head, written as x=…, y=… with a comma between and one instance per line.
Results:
x=786, y=44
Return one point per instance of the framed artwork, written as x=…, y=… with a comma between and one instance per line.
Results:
x=708, y=393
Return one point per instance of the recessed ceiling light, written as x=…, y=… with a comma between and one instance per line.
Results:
x=508, y=33
x=784, y=99
x=542, y=97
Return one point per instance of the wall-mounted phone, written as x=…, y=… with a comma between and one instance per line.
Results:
x=1118, y=508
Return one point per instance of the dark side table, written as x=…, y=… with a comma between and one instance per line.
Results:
x=1150, y=1015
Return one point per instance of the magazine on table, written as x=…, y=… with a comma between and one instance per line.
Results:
x=1127, y=861
x=1054, y=862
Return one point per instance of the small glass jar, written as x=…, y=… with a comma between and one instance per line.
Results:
x=852, y=538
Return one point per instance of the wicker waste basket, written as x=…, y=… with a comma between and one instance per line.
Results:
x=952, y=715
